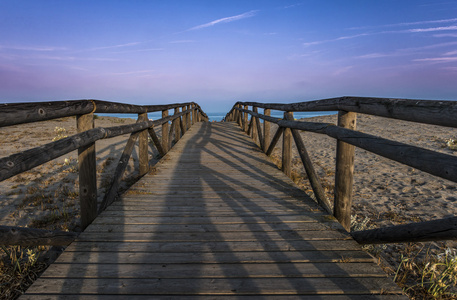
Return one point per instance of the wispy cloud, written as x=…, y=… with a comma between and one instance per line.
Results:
x=409, y=51
x=412, y=30
x=33, y=48
x=342, y=70
x=115, y=46
x=140, y=50
x=336, y=39
x=450, y=53
x=140, y=72
x=438, y=59
x=445, y=35
x=182, y=42
x=72, y=58
x=293, y=5
x=245, y=15
x=432, y=29
x=408, y=24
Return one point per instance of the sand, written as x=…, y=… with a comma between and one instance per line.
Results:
x=385, y=191
x=47, y=196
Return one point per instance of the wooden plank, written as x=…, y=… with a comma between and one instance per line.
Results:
x=314, y=180
x=206, y=220
x=143, y=147
x=216, y=270
x=13, y=235
x=286, y=166
x=344, y=174
x=215, y=236
x=156, y=141
x=165, y=136
x=423, y=111
x=195, y=228
x=435, y=230
x=187, y=286
x=87, y=167
x=214, y=246
x=266, y=131
x=22, y=113
x=241, y=257
x=240, y=297
x=112, y=193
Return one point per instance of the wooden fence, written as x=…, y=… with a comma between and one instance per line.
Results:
x=442, y=113
x=184, y=115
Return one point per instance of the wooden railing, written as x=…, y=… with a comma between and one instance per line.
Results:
x=184, y=115
x=347, y=138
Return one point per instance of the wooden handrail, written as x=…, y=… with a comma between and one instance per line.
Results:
x=83, y=141
x=437, y=112
x=423, y=111
x=21, y=113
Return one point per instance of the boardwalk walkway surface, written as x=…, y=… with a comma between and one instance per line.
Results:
x=214, y=219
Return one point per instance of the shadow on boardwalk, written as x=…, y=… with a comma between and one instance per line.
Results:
x=216, y=218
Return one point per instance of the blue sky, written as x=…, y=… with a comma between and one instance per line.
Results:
x=219, y=52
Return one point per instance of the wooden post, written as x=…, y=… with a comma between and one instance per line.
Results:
x=193, y=113
x=287, y=148
x=165, y=131
x=188, y=117
x=246, y=115
x=112, y=194
x=266, y=130
x=87, y=174
x=176, y=124
x=316, y=185
x=259, y=130
x=184, y=120
x=156, y=141
x=344, y=173
x=143, y=146
x=275, y=140
x=254, y=126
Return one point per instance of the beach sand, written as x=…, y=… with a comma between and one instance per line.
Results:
x=385, y=192
x=47, y=196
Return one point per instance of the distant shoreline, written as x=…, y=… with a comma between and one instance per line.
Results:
x=218, y=116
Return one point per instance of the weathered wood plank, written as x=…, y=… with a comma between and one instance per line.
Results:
x=239, y=297
x=22, y=236
x=246, y=286
x=215, y=236
x=216, y=270
x=286, y=165
x=214, y=246
x=87, y=167
x=344, y=173
x=126, y=228
x=241, y=257
x=143, y=147
x=112, y=193
x=194, y=227
x=422, y=111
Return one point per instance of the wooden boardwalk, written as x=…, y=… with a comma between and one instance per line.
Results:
x=214, y=219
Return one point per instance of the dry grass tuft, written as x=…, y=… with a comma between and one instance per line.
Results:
x=19, y=268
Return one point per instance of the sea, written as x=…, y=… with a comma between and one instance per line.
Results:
x=219, y=116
